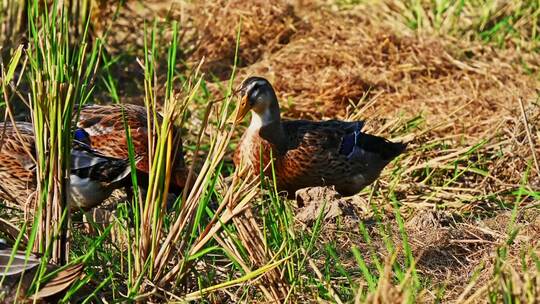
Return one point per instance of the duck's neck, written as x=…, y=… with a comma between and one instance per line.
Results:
x=268, y=125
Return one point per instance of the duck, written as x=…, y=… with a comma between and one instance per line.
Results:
x=93, y=176
x=102, y=128
x=18, y=269
x=306, y=153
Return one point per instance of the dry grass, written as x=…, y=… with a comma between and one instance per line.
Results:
x=445, y=94
x=265, y=26
x=456, y=99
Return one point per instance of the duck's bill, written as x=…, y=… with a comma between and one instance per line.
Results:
x=242, y=111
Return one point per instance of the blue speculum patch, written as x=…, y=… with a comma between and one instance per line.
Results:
x=82, y=136
x=347, y=144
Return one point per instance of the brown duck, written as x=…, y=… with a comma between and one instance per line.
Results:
x=308, y=153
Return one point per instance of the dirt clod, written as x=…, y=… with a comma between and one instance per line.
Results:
x=314, y=199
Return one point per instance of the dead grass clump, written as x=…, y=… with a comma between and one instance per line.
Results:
x=122, y=24
x=476, y=174
x=442, y=246
x=513, y=267
x=265, y=27
x=519, y=164
x=449, y=252
x=318, y=72
x=273, y=285
x=338, y=57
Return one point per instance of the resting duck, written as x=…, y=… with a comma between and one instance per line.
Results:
x=308, y=153
x=18, y=270
x=93, y=176
x=104, y=131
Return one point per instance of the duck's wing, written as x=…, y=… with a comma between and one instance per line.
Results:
x=104, y=126
x=319, y=138
x=87, y=163
x=335, y=153
x=338, y=140
x=312, y=154
x=82, y=156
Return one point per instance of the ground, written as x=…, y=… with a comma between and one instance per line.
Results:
x=456, y=217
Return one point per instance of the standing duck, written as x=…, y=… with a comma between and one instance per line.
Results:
x=308, y=153
x=93, y=176
x=102, y=128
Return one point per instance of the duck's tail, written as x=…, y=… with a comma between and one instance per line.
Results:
x=386, y=149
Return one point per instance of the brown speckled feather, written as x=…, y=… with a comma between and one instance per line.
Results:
x=16, y=159
x=105, y=127
x=313, y=156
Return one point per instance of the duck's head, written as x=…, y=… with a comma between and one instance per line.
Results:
x=257, y=94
